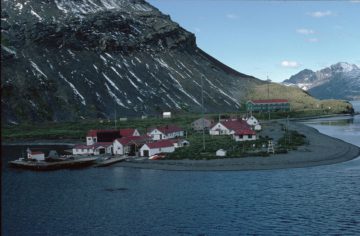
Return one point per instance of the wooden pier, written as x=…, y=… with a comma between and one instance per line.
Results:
x=111, y=161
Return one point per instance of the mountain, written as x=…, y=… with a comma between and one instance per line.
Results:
x=64, y=60
x=339, y=81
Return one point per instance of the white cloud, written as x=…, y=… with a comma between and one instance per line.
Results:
x=355, y=1
x=319, y=14
x=312, y=40
x=232, y=16
x=290, y=64
x=305, y=31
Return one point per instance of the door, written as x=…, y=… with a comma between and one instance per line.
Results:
x=146, y=153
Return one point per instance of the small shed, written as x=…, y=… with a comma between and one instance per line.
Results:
x=166, y=114
x=220, y=153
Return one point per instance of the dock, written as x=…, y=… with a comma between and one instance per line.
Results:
x=43, y=165
x=111, y=161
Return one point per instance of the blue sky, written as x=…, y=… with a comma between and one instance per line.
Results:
x=271, y=38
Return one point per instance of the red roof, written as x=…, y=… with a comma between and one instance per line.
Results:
x=160, y=144
x=270, y=101
x=168, y=129
x=123, y=132
x=127, y=132
x=235, y=124
x=135, y=139
x=245, y=132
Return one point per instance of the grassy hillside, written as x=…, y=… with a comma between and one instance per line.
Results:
x=299, y=99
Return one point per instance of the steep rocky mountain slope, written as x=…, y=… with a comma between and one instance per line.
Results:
x=339, y=81
x=71, y=59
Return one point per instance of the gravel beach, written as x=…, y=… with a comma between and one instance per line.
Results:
x=322, y=150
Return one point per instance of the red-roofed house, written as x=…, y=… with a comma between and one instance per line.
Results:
x=239, y=129
x=244, y=135
x=166, y=132
x=39, y=156
x=150, y=149
x=268, y=105
x=94, y=136
x=129, y=145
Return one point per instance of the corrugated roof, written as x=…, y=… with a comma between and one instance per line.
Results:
x=168, y=129
x=161, y=144
x=265, y=101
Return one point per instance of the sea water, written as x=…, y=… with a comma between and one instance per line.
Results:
x=319, y=200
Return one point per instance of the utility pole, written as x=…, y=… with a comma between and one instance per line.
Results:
x=269, y=81
x=115, y=115
x=203, y=116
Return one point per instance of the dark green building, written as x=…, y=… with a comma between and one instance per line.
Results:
x=268, y=105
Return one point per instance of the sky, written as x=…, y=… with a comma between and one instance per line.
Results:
x=274, y=39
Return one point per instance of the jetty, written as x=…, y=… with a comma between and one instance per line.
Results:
x=111, y=161
x=44, y=165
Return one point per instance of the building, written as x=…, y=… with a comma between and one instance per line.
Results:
x=167, y=115
x=94, y=136
x=94, y=149
x=220, y=153
x=201, y=123
x=39, y=156
x=165, y=132
x=228, y=127
x=268, y=105
x=129, y=145
x=244, y=135
x=240, y=130
x=162, y=146
x=254, y=123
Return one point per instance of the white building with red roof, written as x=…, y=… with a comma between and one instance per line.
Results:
x=129, y=145
x=162, y=146
x=35, y=155
x=94, y=149
x=166, y=132
x=240, y=130
x=94, y=136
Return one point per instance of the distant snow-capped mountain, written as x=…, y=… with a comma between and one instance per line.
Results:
x=339, y=81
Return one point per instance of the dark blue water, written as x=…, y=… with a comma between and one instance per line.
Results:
x=123, y=201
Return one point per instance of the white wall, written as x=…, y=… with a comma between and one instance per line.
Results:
x=91, y=140
x=219, y=129
x=156, y=150
x=39, y=157
x=244, y=137
x=77, y=151
x=118, y=148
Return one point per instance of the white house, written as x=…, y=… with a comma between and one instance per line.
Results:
x=239, y=129
x=253, y=122
x=150, y=149
x=128, y=145
x=221, y=153
x=166, y=132
x=220, y=129
x=39, y=156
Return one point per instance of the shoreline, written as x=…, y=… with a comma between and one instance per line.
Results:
x=322, y=150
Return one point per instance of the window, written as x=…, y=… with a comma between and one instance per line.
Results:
x=250, y=135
